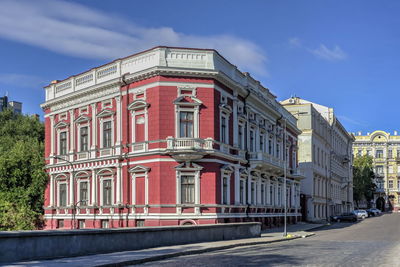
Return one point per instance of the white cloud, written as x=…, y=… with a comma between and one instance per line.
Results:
x=334, y=54
x=76, y=30
x=351, y=120
x=21, y=80
x=296, y=42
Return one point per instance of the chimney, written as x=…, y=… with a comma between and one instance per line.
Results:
x=395, y=133
x=54, y=81
x=359, y=133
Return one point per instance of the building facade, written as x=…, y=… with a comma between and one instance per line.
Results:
x=384, y=148
x=325, y=157
x=168, y=136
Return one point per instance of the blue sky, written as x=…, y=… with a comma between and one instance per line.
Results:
x=342, y=54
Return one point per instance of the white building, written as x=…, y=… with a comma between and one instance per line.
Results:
x=325, y=149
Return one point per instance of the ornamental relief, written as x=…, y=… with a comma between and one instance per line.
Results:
x=78, y=99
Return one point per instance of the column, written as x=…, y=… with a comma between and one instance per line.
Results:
x=235, y=122
x=293, y=192
x=51, y=190
x=71, y=188
x=118, y=185
x=268, y=191
x=146, y=192
x=52, y=139
x=119, y=125
x=197, y=192
x=249, y=188
x=94, y=188
x=259, y=190
x=94, y=131
x=72, y=135
x=237, y=185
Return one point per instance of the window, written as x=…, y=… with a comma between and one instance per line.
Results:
x=262, y=143
x=379, y=154
x=263, y=193
x=84, y=138
x=253, y=192
x=398, y=152
x=390, y=169
x=379, y=170
x=139, y=223
x=241, y=192
x=81, y=224
x=63, y=195
x=270, y=145
x=278, y=150
x=107, y=192
x=107, y=134
x=390, y=184
x=251, y=141
x=224, y=190
x=187, y=189
x=223, y=130
x=279, y=195
x=390, y=154
x=271, y=194
x=240, y=137
x=104, y=224
x=60, y=224
x=369, y=153
x=186, y=124
x=63, y=143
x=83, y=193
x=398, y=184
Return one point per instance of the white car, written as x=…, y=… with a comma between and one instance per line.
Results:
x=361, y=214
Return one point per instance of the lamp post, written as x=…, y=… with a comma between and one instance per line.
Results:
x=73, y=188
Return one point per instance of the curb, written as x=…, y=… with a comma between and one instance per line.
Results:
x=199, y=251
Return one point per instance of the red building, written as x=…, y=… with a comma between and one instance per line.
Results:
x=168, y=136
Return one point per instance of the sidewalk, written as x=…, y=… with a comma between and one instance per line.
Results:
x=140, y=256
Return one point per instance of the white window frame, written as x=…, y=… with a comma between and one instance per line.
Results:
x=226, y=172
x=59, y=183
x=79, y=126
x=102, y=121
x=226, y=133
x=59, y=131
x=79, y=181
x=102, y=179
x=188, y=169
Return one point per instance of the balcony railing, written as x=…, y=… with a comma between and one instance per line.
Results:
x=267, y=158
x=188, y=144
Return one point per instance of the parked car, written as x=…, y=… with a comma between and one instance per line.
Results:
x=349, y=217
x=374, y=212
x=361, y=214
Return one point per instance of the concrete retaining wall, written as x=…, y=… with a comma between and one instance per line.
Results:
x=31, y=245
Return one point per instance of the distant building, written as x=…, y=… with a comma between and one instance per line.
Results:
x=325, y=157
x=14, y=105
x=385, y=150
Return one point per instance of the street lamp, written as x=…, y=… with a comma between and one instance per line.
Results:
x=73, y=189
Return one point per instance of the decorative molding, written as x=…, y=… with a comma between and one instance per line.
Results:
x=138, y=104
x=105, y=113
x=139, y=169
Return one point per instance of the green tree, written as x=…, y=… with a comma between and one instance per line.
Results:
x=22, y=176
x=363, y=175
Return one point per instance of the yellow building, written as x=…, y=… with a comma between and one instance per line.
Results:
x=385, y=150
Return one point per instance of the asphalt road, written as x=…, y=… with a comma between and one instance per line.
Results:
x=372, y=242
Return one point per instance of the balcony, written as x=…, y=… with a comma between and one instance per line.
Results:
x=266, y=160
x=394, y=189
x=82, y=155
x=188, y=148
